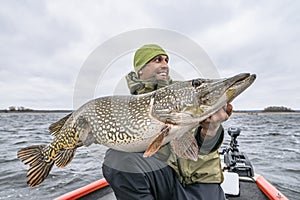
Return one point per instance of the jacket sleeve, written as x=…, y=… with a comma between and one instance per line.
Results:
x=209, y=145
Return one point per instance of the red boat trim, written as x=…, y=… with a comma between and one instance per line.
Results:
x=266, y=187
x=80, y=192
x=269, y=190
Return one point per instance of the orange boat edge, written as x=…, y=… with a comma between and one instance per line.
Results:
x=268, y=189
x=265, y=186
x=80, y=192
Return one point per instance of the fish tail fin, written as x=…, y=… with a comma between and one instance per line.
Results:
x=39, y=166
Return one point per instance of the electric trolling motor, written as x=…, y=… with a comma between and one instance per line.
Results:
x=236, y=161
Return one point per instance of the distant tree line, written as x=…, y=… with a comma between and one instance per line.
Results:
x=19, y=109
x=14, y=109
x=278, y=109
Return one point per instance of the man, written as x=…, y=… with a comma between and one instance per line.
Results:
x=164, y=175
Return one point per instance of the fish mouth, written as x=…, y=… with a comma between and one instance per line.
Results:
x=225, y=90
x=220, y=93
x=238, y=84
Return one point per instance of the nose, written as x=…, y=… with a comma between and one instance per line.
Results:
x=165, y=64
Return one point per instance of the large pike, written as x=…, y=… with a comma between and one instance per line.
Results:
x=135, y=123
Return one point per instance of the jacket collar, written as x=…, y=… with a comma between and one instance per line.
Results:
x=138, y=86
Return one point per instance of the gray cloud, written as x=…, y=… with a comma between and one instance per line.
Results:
x=44, y=44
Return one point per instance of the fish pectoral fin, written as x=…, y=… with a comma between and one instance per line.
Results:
x=175, y=118
x=186, y=147
x=85, y=132
x=64, y=157
x=155, y=145
x=56, y=126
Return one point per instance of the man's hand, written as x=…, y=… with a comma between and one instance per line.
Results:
x=211, y=125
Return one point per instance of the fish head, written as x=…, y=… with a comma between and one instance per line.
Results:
x=197, y=99
x=212, y=92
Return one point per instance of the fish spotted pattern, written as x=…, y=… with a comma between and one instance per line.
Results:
x=135, y=123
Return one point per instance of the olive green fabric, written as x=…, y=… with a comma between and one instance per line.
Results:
x=144, y=54
x=137, y=86
x=207, y=169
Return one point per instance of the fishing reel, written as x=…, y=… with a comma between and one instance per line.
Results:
x=234, y=160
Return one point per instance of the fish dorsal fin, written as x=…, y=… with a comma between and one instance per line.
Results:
x=186, y=147
x=56, y=126
x=158, y=141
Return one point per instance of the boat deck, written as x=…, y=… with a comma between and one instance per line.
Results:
x=248, y=188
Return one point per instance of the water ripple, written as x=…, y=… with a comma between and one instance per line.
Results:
x=270, y=141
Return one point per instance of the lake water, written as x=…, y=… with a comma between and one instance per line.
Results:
x=271, y=142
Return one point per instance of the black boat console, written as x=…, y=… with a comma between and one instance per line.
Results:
x=234, y=160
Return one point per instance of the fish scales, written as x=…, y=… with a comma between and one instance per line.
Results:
x=120, y=119
x=123, y=117
x=135, y=123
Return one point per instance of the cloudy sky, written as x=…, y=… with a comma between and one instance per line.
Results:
x=45, y=44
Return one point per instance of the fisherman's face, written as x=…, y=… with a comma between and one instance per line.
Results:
x=157, y=68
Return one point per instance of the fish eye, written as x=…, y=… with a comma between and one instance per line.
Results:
x=196, y=83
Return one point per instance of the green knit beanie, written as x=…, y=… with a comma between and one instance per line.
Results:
x=146, y=53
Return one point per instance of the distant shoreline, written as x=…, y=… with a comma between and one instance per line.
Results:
x=235, y=111
x=264, y=112
x=36, y=111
